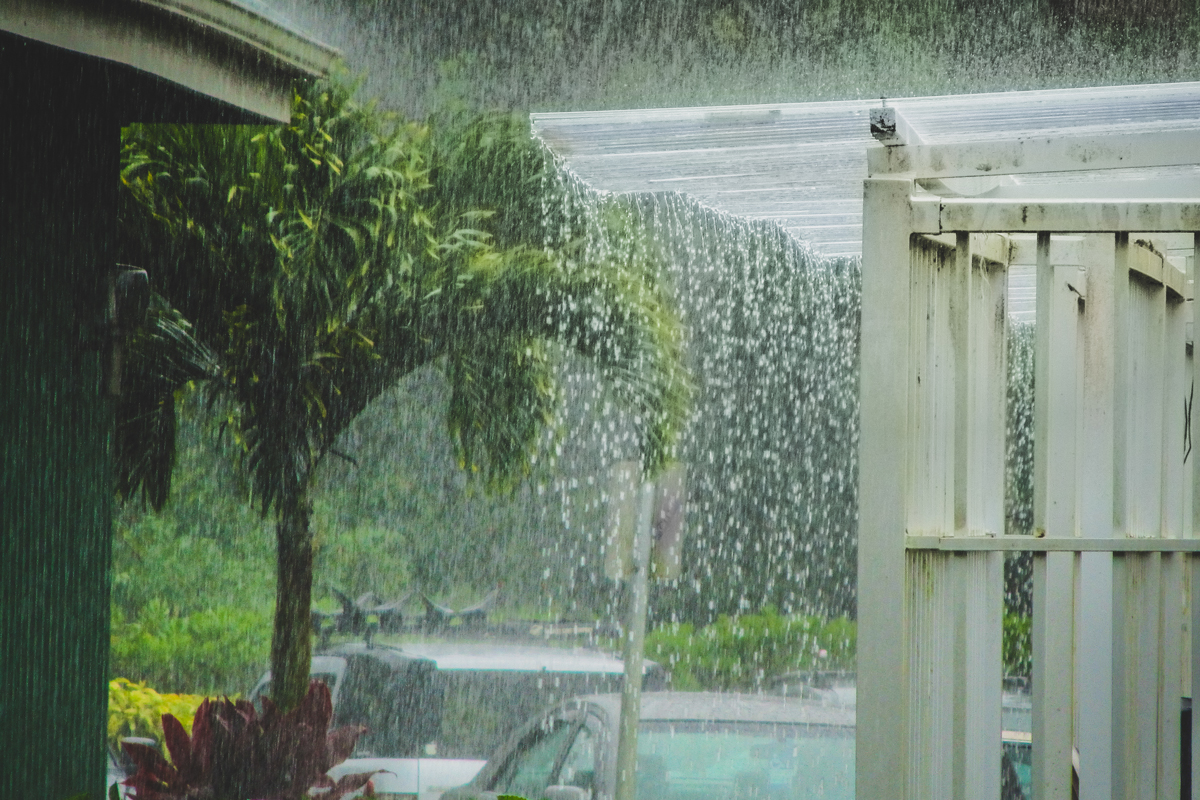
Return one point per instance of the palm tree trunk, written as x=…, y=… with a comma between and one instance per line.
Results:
x=291, y=642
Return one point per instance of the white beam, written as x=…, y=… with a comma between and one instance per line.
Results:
x=1023, y=155
x=942, y=215
x=978, y=325
x=1170, y=675
x=1174, y=647
x=1137, y=593
x=937, y=395
x=1050, y=544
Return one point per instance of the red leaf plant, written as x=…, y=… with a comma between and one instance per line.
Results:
x=235, y=754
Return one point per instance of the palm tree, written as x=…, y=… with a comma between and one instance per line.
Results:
x=317, y=265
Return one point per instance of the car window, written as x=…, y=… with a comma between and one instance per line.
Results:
x=366, y=701
x=730, y=761
x=579, y=765
x=263, y=689
x=529, y=771
x=482, y=708
x=1017, y=770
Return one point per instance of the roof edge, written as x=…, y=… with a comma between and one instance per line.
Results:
x=757, y=112
x=282, y=43
x=213, y=47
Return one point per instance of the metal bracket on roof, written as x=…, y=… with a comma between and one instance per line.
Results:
x=889, y=127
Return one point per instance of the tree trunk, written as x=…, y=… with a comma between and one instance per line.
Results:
x=291, y=642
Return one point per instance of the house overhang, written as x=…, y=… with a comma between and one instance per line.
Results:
x=219, y=48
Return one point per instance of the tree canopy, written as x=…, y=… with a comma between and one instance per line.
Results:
x=302, y=269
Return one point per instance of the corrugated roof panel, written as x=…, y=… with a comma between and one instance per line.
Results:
x=803, y=164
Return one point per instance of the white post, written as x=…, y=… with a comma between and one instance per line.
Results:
x=1094, y=666
x=937, y=500
x=635, y=641
x=881, y=763
x=1137, y=588
x=1194, y=562
x=1170, y=668
x=980, y=386
x=1054, y=515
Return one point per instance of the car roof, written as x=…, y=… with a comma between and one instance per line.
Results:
x=727, y=707
x=501, y=657
x=392, y=656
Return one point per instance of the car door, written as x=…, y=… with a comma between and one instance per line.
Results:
x=581, y=767
x=534, y=763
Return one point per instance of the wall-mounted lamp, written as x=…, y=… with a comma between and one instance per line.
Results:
x=128, y=303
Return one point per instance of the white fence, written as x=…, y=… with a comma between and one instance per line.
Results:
x=1114, y=552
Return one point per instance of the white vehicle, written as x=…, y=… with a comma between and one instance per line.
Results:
x=435, y=711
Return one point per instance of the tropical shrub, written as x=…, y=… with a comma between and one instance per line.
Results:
x=234, y=753
x=740, y=652
x=349, y=275
x=134, y=709
x=219, y=651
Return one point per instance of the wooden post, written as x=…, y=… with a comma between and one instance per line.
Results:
x=882, y=761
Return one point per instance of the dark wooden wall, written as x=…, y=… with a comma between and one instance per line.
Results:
x=60, y=131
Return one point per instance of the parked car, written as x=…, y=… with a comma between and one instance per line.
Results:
x=832, y=688
x=697, y=746
x=691, y=746
x=121, y=767
x=436, y=710
x=117, y=774
x=838, y=689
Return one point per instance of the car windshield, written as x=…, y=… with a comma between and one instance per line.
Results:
x=480, y=709
x=733, y=760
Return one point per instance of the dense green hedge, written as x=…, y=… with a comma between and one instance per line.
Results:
x=741, y=652
x=219, y=651
x=746, y=651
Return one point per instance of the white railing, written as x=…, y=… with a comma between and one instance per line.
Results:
x=1114, y=552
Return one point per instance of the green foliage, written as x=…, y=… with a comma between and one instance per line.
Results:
x=1017, y=645
x=740, y=652
x=134, y=709
x=365, y=558
x=318, y=266
x=295, y=248
x=218, y=651
x=321, y=269
x=162, y=358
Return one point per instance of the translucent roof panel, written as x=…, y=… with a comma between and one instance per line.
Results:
x=803, y=164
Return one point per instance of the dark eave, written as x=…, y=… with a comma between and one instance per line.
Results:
x=219, y=48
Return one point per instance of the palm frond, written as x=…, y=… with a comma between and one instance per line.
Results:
x=161, y=358
x=504, y=303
